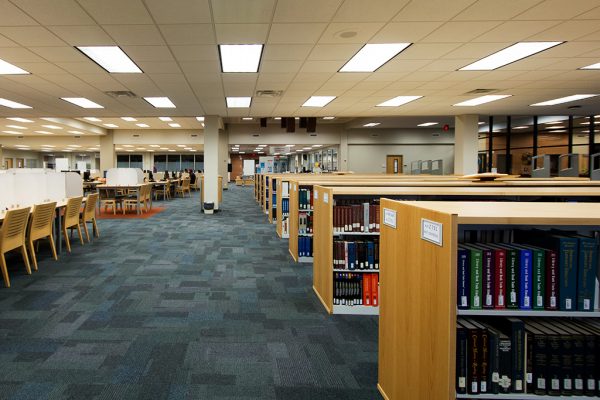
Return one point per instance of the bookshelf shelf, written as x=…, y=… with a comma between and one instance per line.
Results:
x=356, y=234
x=305, y=234
x=529, y=313
x=519, y=396
x=355, y=310
x=371, y=271
x=305, y=259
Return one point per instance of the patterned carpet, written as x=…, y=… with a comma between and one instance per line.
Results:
x=180, y=306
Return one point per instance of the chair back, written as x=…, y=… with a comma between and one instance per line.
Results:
x=89, y=212
x=12, y=233
x=107, y=194
x=71, y=217
x=41, y=221
x=186, y=183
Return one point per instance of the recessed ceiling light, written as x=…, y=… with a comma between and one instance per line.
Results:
x=202, y=123
x=192, y=150
x=509, y=55
x=593, y=66
x=154, y=145
x=328, y=118
x=247, y=119
x=75, y=146
x=13, y=132
x=182, y=145
x=165, y=119
x=164, y=148
x=128, y=119
x=566, y=99
x=238, y=102
x=143, y=125
x=307, y=148
x=290, y=145
x=7, y=68
x=317, y=145
x=111, y=58
x=240, y=57
x=15, y=127
x=555, y=127
x=127, y=145
x=21, y=145
x=160, y=102
x=482, y=100
x=12, y=104
x=187, y=148
x=81, y=102
x=151, y=151
x=52, y=127
x=18, y=119
x=520, y=127
x=277, y=118
x=129, y=151
x=93, y=119
x=262, y=145
x=111, y=125
x=77, y=132
x=371, y=124
x=398, y=101
x=45, y=132
x=200, y=119
x=118, y=148
x=276, y=154
x=48, y=145
x=481, y=123
x=428, y=124
x=67, y=150
x=318, y=101
x=172, y=151
x=242, y=152
x=373, y=56
x=174, y=125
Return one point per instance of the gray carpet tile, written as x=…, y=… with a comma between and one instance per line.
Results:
x=180, y=306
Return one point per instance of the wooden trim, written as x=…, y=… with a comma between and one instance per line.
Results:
x=329, y=310
x=323, y=245
x=293, y=240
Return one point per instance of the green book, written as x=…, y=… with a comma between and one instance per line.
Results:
x=538, y=277
x=476, y=256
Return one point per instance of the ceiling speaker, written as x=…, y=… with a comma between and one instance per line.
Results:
x=311, y=125
x=263, y=122
x=290, y=125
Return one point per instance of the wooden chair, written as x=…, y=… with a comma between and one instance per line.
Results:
x=164, y=191
x=109, y=197
x=89, y=215
x=184, y=188
x=12, y=236
x=195, y=186
x=71, y=219
x=132, y=200
x=40, y=227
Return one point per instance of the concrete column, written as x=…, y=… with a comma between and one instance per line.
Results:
x=224, y=156
x=212, y=156
x=1, y=158
x=466, y=144
x=107, y=152
x=343, y=154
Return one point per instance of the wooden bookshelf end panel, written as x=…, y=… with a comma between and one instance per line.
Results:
x=417, y=320
x=323, y=245
x=293, y=218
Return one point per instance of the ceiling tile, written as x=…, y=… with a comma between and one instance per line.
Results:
x=192, y=67
x=31, y=36
x=304, y=11
x=515, y=31
x=362, y=32
x=269, y=80
x=330, y=67
x=570, y=30
x=248, y=11
x=101, y=81
x=315, y=77
x=239, y=85
x=490, y=10
x=592, y=14
x=59, y=54
x=592, y=37
x=427, y=51
x=117, y=12
x=16, y=55
x=294, y=33
x=403, y=32
x=282, y=52
x=180, y=11
x=55, y=12
x=432, y=10
x=12, y=16
x=5, y=42
x=368, y=11
x=83, y=67
x=459, y=31
x=187, y=34
x=159, y=67
x=140, y=84
x=195, y=53
x=447, y=65
x=148, y=53
x=279, y=66
x=557, y=9
x=90, y=35
x=242, y=33
x=331, y=52
x=474, y=51
x=135, y=34
x=401, y=65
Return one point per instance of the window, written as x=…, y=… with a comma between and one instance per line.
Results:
x=173, y=162
x=160, y=162
x=187, y=161
x=122, y=160
x=130, y=161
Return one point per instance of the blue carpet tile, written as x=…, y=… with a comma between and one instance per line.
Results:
x=180, y=306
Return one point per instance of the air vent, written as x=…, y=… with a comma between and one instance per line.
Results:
x=121, y=93
x=269, y=93
x=136, y=135
x=435, y=134
x=256, y=135
x=77, y=137
x=313, y=134
x=482, y=91
x=194, y=135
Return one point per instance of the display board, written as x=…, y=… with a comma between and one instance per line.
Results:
x=249, y=167
x=124, y=176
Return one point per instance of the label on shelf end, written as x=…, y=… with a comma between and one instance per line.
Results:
x=326, y=197
x=431, y=231
x=316, y=196
x=389, y=217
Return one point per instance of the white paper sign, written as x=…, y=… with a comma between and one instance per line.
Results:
x=326, y=197
x=389, y=217
x=316, y=196
x=431, y=231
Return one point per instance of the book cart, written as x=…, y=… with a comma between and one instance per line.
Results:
x=418, y=287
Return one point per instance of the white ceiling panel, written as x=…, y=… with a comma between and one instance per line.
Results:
x=195, y=52
x=362, y=32
x=247, y=11
x=490, y=10
x=304, y=11
x=592, y=37
x=410, y=32
x=102, y=81
x=432, y=10
x=12, y=16
x=117, y=11
x=188, y=34
x=570, y=30
x=135, y=34
x=449, y=65
x=200, y=67
x=242, y=33
x=294, y=33
x=571, y=49
x=515, y=31
x=148, y=53
x=368, y=11
x=384, y=77
x=5, y=42
x=17, y=55
x=266, y=80
x=31, y=36
x=55, y=12
x=272, y=66
x=419, y=76
x=281, y=52
x=159, y=67
x=42, y=68
x=475, y=51
x=89, y=35
x=79, y=67
x=558, y=9
x=313, y=77
x=592, y=14
x=180, y=11
x=459, y=31
x=59, y=54
x=334, y=52
x=322, y=66
x=400, y=65
x=141, y=85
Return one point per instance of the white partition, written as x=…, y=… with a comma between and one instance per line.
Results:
x=26, y=187
x=124, y=176
x=62, y=164
x=73, y=184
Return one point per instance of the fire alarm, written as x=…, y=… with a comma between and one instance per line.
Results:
x=446, y=127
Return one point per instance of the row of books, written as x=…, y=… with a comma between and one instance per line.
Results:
x=541, y=270
x=350, y=289
x=305, y=246
x=285, y=206
x=305, y=223
x=538, y=356
x=305, y=199
x=358, y=254
x=355, y=218
x=274, y=199
x=285, y=188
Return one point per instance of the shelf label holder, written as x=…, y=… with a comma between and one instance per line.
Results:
x=432, y=231
x=389, y=218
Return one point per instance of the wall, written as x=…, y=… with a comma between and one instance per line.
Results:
x=26, y=155
x=237, y=163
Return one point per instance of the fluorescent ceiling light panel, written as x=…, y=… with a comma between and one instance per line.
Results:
x=242, y=152
x=562, y=100
x=160, y=102
x=15, y=127
x=154, y=145
x=143, y=125
x=372, y=56
x=317, y=145
x=77, y=132
x=482, y=100
x=74, y=146
x=262, y=145
x=593, y=66
x=318, y=101
x=371, y=124
x=52, y=127
x=12, y=104
x=247, y=119
x=111, y=125
x=81, y=102
x=13, y=132
x=238, y=102
x=128, y=119
x=240, y=57
x=277, y=118
x=111, y=58
x=428, y=124
x=509, y=55
x=200, y=119
x=290, y=145
x=520, y=127
x=7, y=68
x=181, y=145
x=175, y=125
x=398, y=101
x=48, y=145
x=45, y=132
x=328, y=118
x=92, y=119
x=18, y=119
x=165, y=119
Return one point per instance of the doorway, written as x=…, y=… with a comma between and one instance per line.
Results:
x=393, y=164
x=20, y=162
x=8, y=163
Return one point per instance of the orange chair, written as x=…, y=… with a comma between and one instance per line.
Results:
x=12, y=236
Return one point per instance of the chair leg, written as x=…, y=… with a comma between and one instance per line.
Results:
x=25, y=259
x=67, y=241
x=53, y=246
x=4, y=270
x=80, y=235
x=85, y=229
x=95, y=226
x=33, y=257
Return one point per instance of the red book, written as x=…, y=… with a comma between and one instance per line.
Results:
x=374, y=289
x=500, y=278
x=366, y=290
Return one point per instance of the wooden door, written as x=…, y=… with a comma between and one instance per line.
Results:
x=8, y=163
x=20, y=162
x=393, y=164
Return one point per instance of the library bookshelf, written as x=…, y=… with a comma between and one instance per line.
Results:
x=418, y=288
x=283, y=213
x=257, y=186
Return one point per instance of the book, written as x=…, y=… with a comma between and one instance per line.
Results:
x=525, y=270
x=374, y=289
x=476, y=264
x=586, y=272
x=473, y=357
x=493, y=378
x=484, y=361
x=565, y=350
x=464, y=278
x=538, y=359
x=461, y=358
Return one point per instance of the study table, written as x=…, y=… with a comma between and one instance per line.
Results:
x=174, y=182
x=136, y=188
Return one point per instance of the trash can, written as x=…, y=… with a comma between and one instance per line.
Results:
x=209, y=208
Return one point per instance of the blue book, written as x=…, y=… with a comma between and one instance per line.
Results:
x=464, y=279
x=351, y=255
x=301, y=246
x=371, y=254
x=586, y=272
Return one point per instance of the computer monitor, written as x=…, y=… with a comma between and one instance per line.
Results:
x=86, y=175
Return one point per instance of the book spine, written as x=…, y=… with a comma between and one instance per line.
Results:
x=568, y=274
x=554, y=365
x=529, y=384
x=473, y=362
x=488, y=279
x=587, y=268
x=476, y=272
x=518, y=356
x=540, y=362
x=494, y=370
x=500, y=279
x=566, y=352
x=578, y=364
x=525, y=281
x=463, y=279
x=505, y=362
x=538, y=278
x=375, y=290
x=485, y=361
x=461, y=360
x=512, y=272
x=552, y=286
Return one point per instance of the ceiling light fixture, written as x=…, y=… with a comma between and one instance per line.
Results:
x=44, y=132
x=371, y=124
x=562, y=100
x=128, y=119
x=92, y=119
x=238, y=102
x=174, y=125
x=7, y=68
x=143, y=125
x=160, y=102
x=318, y=101
x=317, y=145
x=428, y=124
x=111, y=125
x=13, y=132
x=81, y=102
x=240, y=57
x=200, y=119
x=18, y=119
x=15, y=127
x=398, y=101
x=482, y=100
x=513, y=53
x=372, y=56
x=111, y=58
x=328, y=118
x=593, y=66
x=12, y=104
x=247, y=119
x=165, y=119
x=77, y=133
x=154, y=145
x=52, y=127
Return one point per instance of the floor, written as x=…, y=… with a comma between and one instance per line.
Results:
x=180, y=306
